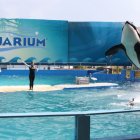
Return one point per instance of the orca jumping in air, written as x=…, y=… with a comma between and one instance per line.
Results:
x=130, y=43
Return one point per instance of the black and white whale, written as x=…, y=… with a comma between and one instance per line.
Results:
x=130, y=43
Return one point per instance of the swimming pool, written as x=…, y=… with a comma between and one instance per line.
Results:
x=54, y=128
x=24, y=80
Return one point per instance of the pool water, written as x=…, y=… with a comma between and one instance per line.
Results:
x=24, y=80
x=55, y=128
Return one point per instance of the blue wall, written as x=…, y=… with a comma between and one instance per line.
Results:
x=46, y=72
x=100, y=75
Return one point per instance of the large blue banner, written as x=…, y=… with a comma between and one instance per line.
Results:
x=52, y=41
x=33, y=40
x=88, y=42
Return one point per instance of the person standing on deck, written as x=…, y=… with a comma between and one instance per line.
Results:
x=131, y=103
x=32, y=69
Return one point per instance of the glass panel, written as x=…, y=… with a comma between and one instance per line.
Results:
x=49, y=128
x=115, y=125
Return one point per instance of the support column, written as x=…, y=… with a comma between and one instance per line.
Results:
x=82, y=127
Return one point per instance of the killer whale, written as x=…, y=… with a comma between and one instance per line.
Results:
x=130, y=44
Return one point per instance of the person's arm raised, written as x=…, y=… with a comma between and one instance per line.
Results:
x=25, y=63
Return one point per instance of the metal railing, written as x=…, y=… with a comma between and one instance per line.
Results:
x=82, y=119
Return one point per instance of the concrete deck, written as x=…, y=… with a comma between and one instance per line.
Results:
x=43, y=88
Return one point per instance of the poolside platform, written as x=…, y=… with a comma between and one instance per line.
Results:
x=43, y=88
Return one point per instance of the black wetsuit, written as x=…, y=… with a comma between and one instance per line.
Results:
x=31, y=77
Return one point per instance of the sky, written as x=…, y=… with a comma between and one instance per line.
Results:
x=73, y=10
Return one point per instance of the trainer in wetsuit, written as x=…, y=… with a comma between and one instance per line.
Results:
x=32, y=69
x=32, y=75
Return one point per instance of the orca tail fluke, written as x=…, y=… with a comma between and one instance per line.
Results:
x=114, y=50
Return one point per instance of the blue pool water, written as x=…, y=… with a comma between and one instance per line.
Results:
x=55, y=128
x=24, y=80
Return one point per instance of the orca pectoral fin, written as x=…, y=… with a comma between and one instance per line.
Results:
x=114, y=50
x=137, y=50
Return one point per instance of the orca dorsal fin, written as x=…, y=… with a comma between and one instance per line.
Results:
x=114, y=50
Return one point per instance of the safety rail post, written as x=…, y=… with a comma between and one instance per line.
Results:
x=82, y=127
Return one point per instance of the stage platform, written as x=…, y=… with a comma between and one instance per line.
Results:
x=43, y=88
